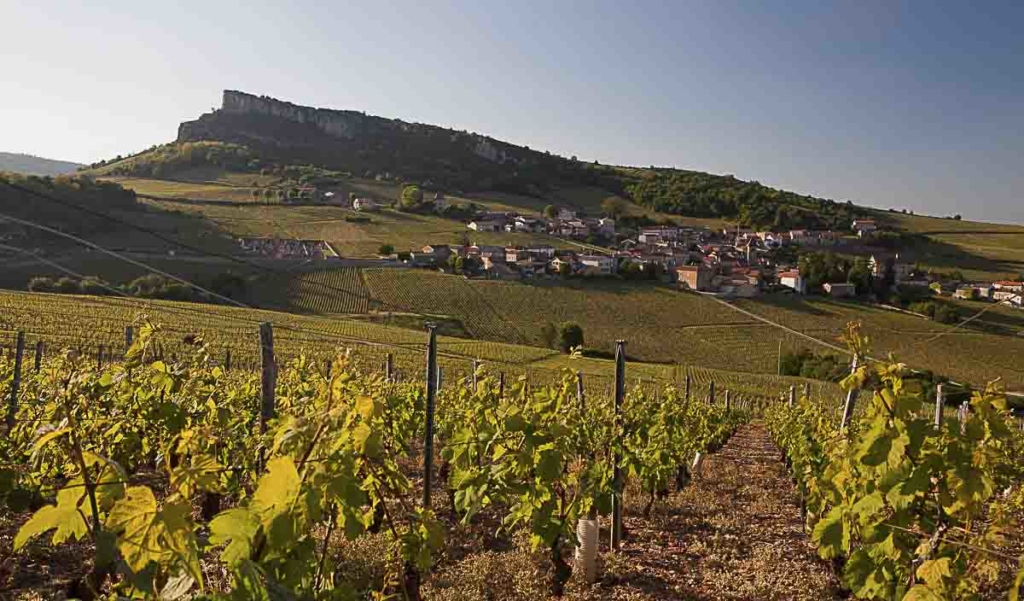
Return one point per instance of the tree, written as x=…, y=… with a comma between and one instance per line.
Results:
x=614, y=207
x=386, y=250
x=945, y=314
x=860, y=276
x=549, y=334
x=411, y=198
x=570, y=336
x=550, y=211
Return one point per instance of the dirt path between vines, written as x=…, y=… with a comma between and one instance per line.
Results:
x=733, y=533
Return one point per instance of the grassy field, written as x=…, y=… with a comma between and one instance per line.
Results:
x=78, y=322
x=984, y=251
x=404, y=231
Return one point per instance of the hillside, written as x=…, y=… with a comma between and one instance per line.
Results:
x=27, y=164
x=262, y=135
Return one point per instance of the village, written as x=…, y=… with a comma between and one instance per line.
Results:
x=726, y=263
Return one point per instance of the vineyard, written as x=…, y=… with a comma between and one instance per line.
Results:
x=87, y=322
x=169, y=478
x=908, y=503
x=347, y=294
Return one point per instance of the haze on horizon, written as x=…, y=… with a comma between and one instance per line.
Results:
x=907, y=105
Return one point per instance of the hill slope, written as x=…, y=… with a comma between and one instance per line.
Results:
x=259, y=134
x=28, y=164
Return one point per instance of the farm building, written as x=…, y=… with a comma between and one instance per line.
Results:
x=793, y=279
x=694, y=277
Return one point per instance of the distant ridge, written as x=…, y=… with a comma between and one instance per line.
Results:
x=251, y=133
x=28, y=164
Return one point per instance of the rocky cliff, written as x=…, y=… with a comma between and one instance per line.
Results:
x=279, y=132
x=247, y=118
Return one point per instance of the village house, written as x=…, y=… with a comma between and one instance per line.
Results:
x=694, y=277
x=840, y=290
x=597, y=264
x=606, y=227
x=663, y=232
x=864, y=227
x=495, y=253
x=545, y=252
x=966, y=292
x=793, y=279
x=365, y=205
x=882, y=264
x=526, y=224
x=1009, y=297
x=499, y=271
x=566, y=214
x=557, y=264
x=440, y=202
x=1008, y=286
x=486, y=226
x=572, y=229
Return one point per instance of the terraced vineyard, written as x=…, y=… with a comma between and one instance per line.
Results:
x=339, y=290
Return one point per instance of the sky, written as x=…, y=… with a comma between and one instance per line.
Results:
x=916, y=105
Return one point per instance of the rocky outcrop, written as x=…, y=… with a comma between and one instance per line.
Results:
x=341, y=124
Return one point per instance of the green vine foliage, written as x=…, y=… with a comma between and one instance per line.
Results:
x=121, y=454
x=905, y=508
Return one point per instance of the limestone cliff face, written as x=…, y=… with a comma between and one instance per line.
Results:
x=341, y=124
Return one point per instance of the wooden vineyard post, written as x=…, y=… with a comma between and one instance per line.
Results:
x=501, y=384
x=686, y=395
x=620, y=391
x=728, y=400
x=433, y=375
x=129, y=338
x=268, y=374
x=39, y=354
x=227, y=360
x=389, y=368
x=792, y=396
x=939, y=402
x=99, y=357
x=476, y=368
x=807, y=390
x=581, y=398
x=12, y=404
x=711, y=393
x=851, y=399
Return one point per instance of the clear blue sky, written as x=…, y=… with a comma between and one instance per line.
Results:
x=917, y=105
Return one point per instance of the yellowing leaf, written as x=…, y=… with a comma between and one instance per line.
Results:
x=236, y=528
x=367, y=441
x=66, y=519
x=367, y=408
x=921, y=592
x=43, y=440
x=934, y=570
x=150, y=534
